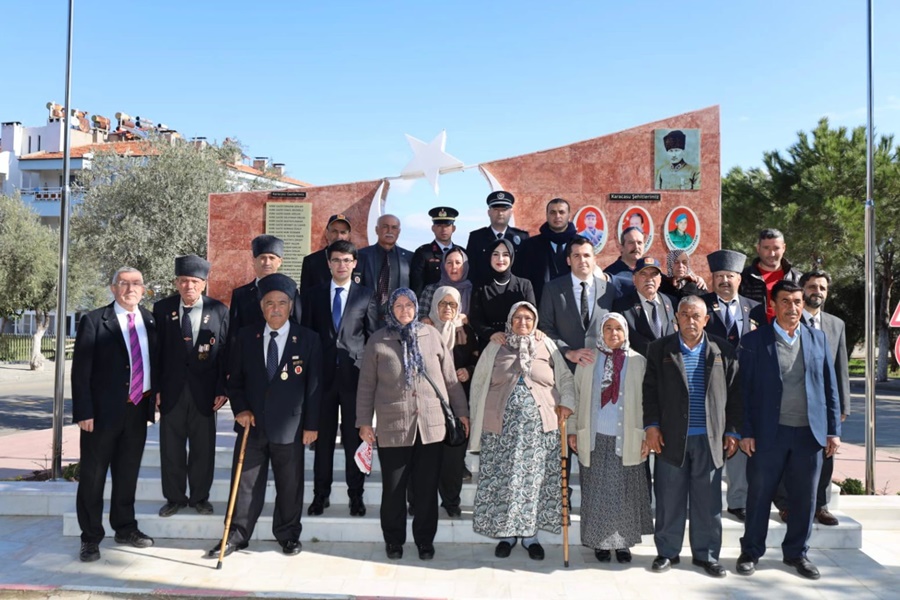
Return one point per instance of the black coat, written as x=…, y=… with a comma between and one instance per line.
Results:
x=314, y=271
x=491, y=304
x=204, y=367
x=716, y=326
x=101, y=369
x=245, y=309
x=639, y=333
x=753, y=286
x=425, y=267
x=476, y=248
x=539, y=264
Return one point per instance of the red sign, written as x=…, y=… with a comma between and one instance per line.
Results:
x=895, y=320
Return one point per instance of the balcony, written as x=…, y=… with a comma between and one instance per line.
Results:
x=45, y=201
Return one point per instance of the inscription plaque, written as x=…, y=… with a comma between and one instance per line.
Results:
x=292, y=222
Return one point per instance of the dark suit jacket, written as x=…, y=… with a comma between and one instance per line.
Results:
x=761, y=385
x=370, y=266
x=539, y=264
x=639, y=333
x=204, y=367
x=101, y=369
x=835, y=333
x=476, y=248
x=716, y=326
x=245, y=309
x=425, y=267
x=667, y=399
x=560, y=316
x=342, y=349
x=314, y=271
x=291, y=400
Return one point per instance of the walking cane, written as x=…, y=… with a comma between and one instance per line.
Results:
x=565, y=492
x=231, y=500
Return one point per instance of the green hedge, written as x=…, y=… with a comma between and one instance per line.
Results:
x=17, y=348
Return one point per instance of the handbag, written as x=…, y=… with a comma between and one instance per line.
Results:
x=456, y=432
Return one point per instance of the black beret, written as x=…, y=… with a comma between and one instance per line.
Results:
x=500, y=198
x=726, y=260
x=267, y=244
x=443, y=215
x=276, y=282
x=191, y=265
x=674, y=139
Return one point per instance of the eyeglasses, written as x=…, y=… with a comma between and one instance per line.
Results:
x=452, y=305
x=124, y=285
x=341, y=261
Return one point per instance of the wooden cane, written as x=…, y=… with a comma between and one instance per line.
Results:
x=565, y=492
x=233, y=498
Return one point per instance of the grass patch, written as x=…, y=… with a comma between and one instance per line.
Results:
x=857, y=367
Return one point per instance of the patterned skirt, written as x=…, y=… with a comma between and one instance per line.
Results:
x=519, y=481
x=615, y=508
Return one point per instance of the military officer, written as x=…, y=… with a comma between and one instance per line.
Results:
x=500, y=205
x=426, y=262
x=677, y=174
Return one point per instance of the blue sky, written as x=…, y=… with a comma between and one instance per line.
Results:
x=331, y=88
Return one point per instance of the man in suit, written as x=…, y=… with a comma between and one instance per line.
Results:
x=649, y=314
x=113, y=379
x=385, y=265
x=268, y=251
x=314, y=270
x=729, y=318
x=692, y=411
x=791, y=412
x=815, y=286
x=544, y=257
x=344, y=314
x=426, y=261
x=769, y=267
x=500, y=205
x=631, y=249
x=273, y=387
x=571, y=308
x=193, y=329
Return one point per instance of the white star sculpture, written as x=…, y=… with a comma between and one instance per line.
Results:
x=430, y=160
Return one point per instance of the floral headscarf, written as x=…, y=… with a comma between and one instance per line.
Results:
x=615, y=360
x=446, y=328
x=463, y=285
x=413, y=364
x=524, y=345
x=671, y=257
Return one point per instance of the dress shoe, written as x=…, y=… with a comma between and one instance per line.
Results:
x=745, y=565
x=291, y=547
x=662, y=564
x=712, y=568
x=535, y=551
x=826, y=518
x=136, y=538
x=454, y=512
x=784, y=515
x=170, y=508
x=318, y=505
x=204, y=507
x=90, y=551
x=357, y=507
x=739, y=513
x=394, y=551
x=603, y=555
x=503, y=549
x=623, y=555
x=230, y=547
x=426, y=551
x=803, y=566
x=467, y=474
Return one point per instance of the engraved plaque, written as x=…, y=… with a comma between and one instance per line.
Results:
x=292, y=222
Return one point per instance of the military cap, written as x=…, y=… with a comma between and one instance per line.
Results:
x=726, y=260
x=443, y=215
x=681, y=217
x=267, y=244
x=674, y=139
x=191, y=265
x=339, y=217
x=276, y=282
x=500, y=199
x=646, y=263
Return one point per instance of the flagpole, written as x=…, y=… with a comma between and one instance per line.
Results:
x=870, y=266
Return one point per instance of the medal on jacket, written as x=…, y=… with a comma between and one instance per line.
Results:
x=205, y=319
x=284, y=374
x=174, y=316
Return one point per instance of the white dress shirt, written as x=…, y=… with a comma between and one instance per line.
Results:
x=576, y=289
x=122, y=317
x=280, y=340
x=732, y=307
x=346, y=291
x=194, y=316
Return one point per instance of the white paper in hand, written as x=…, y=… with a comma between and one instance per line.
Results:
x=363, y=458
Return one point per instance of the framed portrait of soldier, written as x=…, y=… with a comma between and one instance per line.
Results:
x=590, y=222
x=682, y=229
x=637, y=216
x=676, y=159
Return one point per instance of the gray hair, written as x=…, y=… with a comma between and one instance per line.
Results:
x=115, y=277
x=692, y=299
x=770, y=234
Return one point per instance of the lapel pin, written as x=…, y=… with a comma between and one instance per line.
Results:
x=294, y=338
x=205, y=319
x=212, y=341
x=298, y=369
x=284, y=376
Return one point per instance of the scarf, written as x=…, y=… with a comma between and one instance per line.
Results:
x=615, y=360
x=559, y=237
x=671, y=257
x=502, y=277
x=447, y=329
x=413, y=364
x=463, y=286
x=523, y=345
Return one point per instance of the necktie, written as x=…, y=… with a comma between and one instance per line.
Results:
x=655, y=323
x=814, y=322
x=384, y=279
x=728, y=318
x=585, y=313
x=272, y=356
x=499, y=236
x=137, y=363
x=336, y=308
x=187, y=331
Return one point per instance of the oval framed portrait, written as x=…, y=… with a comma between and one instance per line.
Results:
x=590, y=223
x=638, y=216
x=682, y=229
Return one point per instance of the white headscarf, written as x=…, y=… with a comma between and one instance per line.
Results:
x=446, y=328
x=524, y=345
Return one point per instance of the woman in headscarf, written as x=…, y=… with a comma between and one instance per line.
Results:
x=491, y=302
x=455, y=274
x=394, y=386
x=608, y=435
x=681, y=281
x=460, y=339
x=520, y=392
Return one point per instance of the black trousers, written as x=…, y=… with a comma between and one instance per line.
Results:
x=117, y=448
x=335, y=402
x=781, y=501
x=422, y=462
x=287, y=467
x=453, y=465
x=182, y=426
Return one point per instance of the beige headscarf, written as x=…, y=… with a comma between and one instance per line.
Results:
x=447, y=329
x=524, y=345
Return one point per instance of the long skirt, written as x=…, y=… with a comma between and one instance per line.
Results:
x=519, y=480
x=615, y=512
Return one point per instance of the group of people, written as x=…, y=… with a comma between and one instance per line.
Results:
x=516, y=335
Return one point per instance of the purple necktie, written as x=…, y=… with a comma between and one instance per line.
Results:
x=137, y=363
